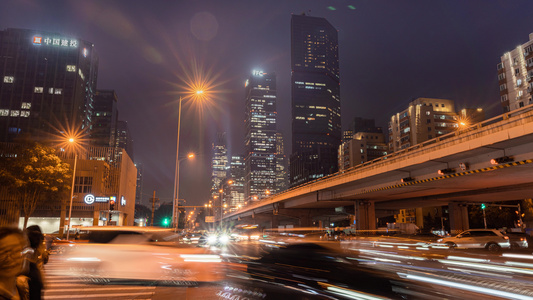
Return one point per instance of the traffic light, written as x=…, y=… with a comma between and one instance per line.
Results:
x=483, y=206
x=166, y=221
x=112, y=205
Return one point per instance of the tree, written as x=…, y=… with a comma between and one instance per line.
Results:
x=32, y=172
x=143, y=212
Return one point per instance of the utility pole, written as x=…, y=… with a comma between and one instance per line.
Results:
x=153, y=199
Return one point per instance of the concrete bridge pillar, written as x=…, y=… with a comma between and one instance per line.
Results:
x=458, y=217
x=365, y=215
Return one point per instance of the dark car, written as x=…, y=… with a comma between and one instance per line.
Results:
x=318, y=267
x=519, y=240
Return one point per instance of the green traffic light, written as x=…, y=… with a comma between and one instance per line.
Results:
x=483, y=206
x=165, y=221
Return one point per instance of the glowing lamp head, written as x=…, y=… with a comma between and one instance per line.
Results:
x=71, y=140
x=199, y=92
x=191, y=155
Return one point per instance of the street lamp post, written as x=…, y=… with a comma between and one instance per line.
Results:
x=175, y=204
x=71, y=140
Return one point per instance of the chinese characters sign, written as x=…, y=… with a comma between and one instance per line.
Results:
x=58, y=42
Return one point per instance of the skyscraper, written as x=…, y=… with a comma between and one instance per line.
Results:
x=316, y=106
x=219, y=163
x=237, y=175
x=515, y=76
x=48, y=82
x=124, y=139
x=260, y=136
x=282, y=178
x=105, y=118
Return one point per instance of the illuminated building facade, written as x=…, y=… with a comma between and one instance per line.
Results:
x=237, y=172
x=515, y=76
x=48, y=81
x=316, y=106
x=219, y=164
x=424, y=119
x=260, y=136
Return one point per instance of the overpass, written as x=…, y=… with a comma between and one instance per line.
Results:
x=411, y=178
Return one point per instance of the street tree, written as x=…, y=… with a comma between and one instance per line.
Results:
x=34, y=173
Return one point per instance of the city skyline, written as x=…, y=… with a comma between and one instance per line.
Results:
x=389, y=55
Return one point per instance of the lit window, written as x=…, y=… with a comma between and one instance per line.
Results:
x=25, y=113
x=38, y=89
x=51, y=90
x=15, y=113
x=518, y=82
x=4, y=112
x=58, y=91
x=71, y=68
x=25, y=105
x=8, y=79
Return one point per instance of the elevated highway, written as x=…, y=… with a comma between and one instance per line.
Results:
x=410, y=178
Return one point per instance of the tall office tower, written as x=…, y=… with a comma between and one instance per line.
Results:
x=260, y=136
x=105, y=118
x=424, y=119
x=124, y=139
x=282, y=178
x=48, y=81
x=515, y=76
x=363, y=147
x=316, y=105
x=219, y=164
x=237, y=187
x=139, y=186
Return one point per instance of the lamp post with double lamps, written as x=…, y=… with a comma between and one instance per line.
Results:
x=175, y=204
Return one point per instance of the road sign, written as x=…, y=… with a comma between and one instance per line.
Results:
x=210, y=219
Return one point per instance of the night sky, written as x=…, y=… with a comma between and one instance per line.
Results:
x=390, y=53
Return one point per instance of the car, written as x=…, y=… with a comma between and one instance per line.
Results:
x=519, y=240
x=319, y=266
x=490, y=239
x=122, y=253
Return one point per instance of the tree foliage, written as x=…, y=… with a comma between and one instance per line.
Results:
x=32, y=172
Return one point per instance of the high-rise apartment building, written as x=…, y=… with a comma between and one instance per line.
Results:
x=316, y=106
x=515, y=76
x=105, y=118
x=424, y=119
x=219, y=163
x=48, y=83
x=260, y=135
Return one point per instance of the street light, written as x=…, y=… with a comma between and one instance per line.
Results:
x=175, y=206
x=71, y=140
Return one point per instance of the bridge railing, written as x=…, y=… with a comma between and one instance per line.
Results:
x=504, y=121
x=489, y=126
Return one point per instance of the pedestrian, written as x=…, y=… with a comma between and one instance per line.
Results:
x=36, y=262
x=13, y=286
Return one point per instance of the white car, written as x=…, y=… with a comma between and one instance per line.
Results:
x=120, y=253
x=490, y=239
